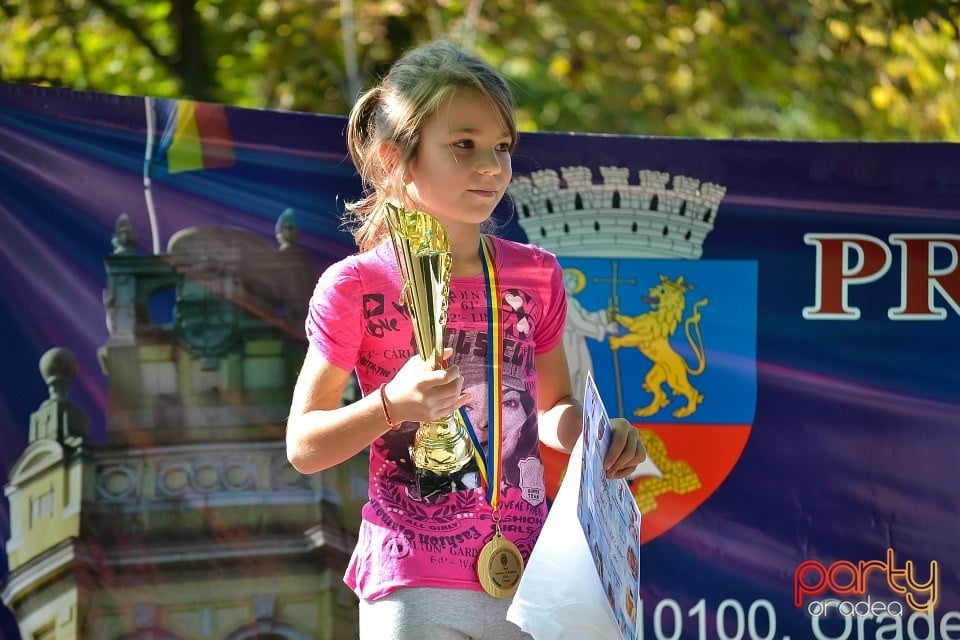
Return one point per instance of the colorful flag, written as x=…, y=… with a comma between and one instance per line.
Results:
x=194, y=136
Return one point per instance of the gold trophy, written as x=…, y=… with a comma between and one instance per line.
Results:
x=442, y=450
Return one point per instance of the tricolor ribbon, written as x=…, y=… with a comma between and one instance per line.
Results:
x=492, y=461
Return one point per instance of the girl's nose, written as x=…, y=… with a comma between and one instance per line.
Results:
x=490, y=164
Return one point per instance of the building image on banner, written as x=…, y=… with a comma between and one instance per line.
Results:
x=189, y=522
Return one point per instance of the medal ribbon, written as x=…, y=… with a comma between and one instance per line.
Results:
x=492, y=462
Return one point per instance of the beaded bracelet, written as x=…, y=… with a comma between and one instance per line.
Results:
x=386, y=414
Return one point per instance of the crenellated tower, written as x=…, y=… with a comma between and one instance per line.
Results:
x=653, y=216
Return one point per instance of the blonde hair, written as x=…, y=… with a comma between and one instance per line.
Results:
x=395, y=110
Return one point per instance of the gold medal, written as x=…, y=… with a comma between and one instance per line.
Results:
x=500, y=566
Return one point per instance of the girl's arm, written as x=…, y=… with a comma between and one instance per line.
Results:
x=560, y=414
x=321, y=433
x=561, y=417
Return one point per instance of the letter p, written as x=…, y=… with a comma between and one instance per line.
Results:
x=844, y=260
x=810, y=578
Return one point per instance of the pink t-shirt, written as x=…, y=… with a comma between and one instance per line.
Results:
x=357, y=323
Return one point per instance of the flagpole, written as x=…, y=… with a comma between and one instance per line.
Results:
x=612, y=310
x=147, y=161
x=612, y=316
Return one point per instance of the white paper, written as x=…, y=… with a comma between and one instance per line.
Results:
x=560, y=596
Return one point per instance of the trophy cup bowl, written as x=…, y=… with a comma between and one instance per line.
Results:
x=441, y=448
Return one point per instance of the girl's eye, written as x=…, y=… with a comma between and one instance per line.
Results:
x=463, y=144
x=503, y=147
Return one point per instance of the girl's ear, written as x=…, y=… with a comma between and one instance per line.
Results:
x=389, y=154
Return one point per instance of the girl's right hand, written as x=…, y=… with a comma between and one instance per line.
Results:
x=420, y=394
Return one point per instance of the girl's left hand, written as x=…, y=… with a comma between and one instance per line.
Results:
x=626, y=449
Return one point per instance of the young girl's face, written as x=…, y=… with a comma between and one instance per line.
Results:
x=462, y=165
x=511, y=403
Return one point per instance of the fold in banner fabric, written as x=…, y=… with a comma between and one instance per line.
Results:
x=560, y=596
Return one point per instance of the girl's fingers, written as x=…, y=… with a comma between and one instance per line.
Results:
x=626, y=450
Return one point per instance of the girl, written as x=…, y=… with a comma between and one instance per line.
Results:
x=437, y=135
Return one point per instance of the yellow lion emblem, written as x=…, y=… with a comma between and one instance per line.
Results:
x=650, y=333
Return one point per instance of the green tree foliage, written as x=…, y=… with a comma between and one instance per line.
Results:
x=819, y=69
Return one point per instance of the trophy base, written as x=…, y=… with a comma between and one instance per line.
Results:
x=431, y=485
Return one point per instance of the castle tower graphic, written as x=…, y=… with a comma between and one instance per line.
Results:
x=654, y=215
x=188, y=522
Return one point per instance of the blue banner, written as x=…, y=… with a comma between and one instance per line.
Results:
x=781, y=321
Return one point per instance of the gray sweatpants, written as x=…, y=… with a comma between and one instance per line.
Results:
x=438, y=614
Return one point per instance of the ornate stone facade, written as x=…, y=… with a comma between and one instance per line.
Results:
x=188, y=521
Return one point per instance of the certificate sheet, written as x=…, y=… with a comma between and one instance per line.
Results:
x=609, y=517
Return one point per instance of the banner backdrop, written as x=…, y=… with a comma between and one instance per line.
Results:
x=780, y=319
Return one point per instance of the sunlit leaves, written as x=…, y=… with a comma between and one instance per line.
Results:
x=823, y=69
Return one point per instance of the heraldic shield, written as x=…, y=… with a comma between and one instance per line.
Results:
x=672, y=348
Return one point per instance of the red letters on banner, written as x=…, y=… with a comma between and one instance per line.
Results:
x=929, y=265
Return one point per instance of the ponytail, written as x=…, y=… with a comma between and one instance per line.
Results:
x=361, y=127
x=364, y=135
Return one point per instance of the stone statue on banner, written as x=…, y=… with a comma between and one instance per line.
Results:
x=298, y=280
x=581, y=325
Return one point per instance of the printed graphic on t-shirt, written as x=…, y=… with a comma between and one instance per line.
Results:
x=447, y=525
x=517, y=405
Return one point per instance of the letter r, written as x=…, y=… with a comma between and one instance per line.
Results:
x=922, y=275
